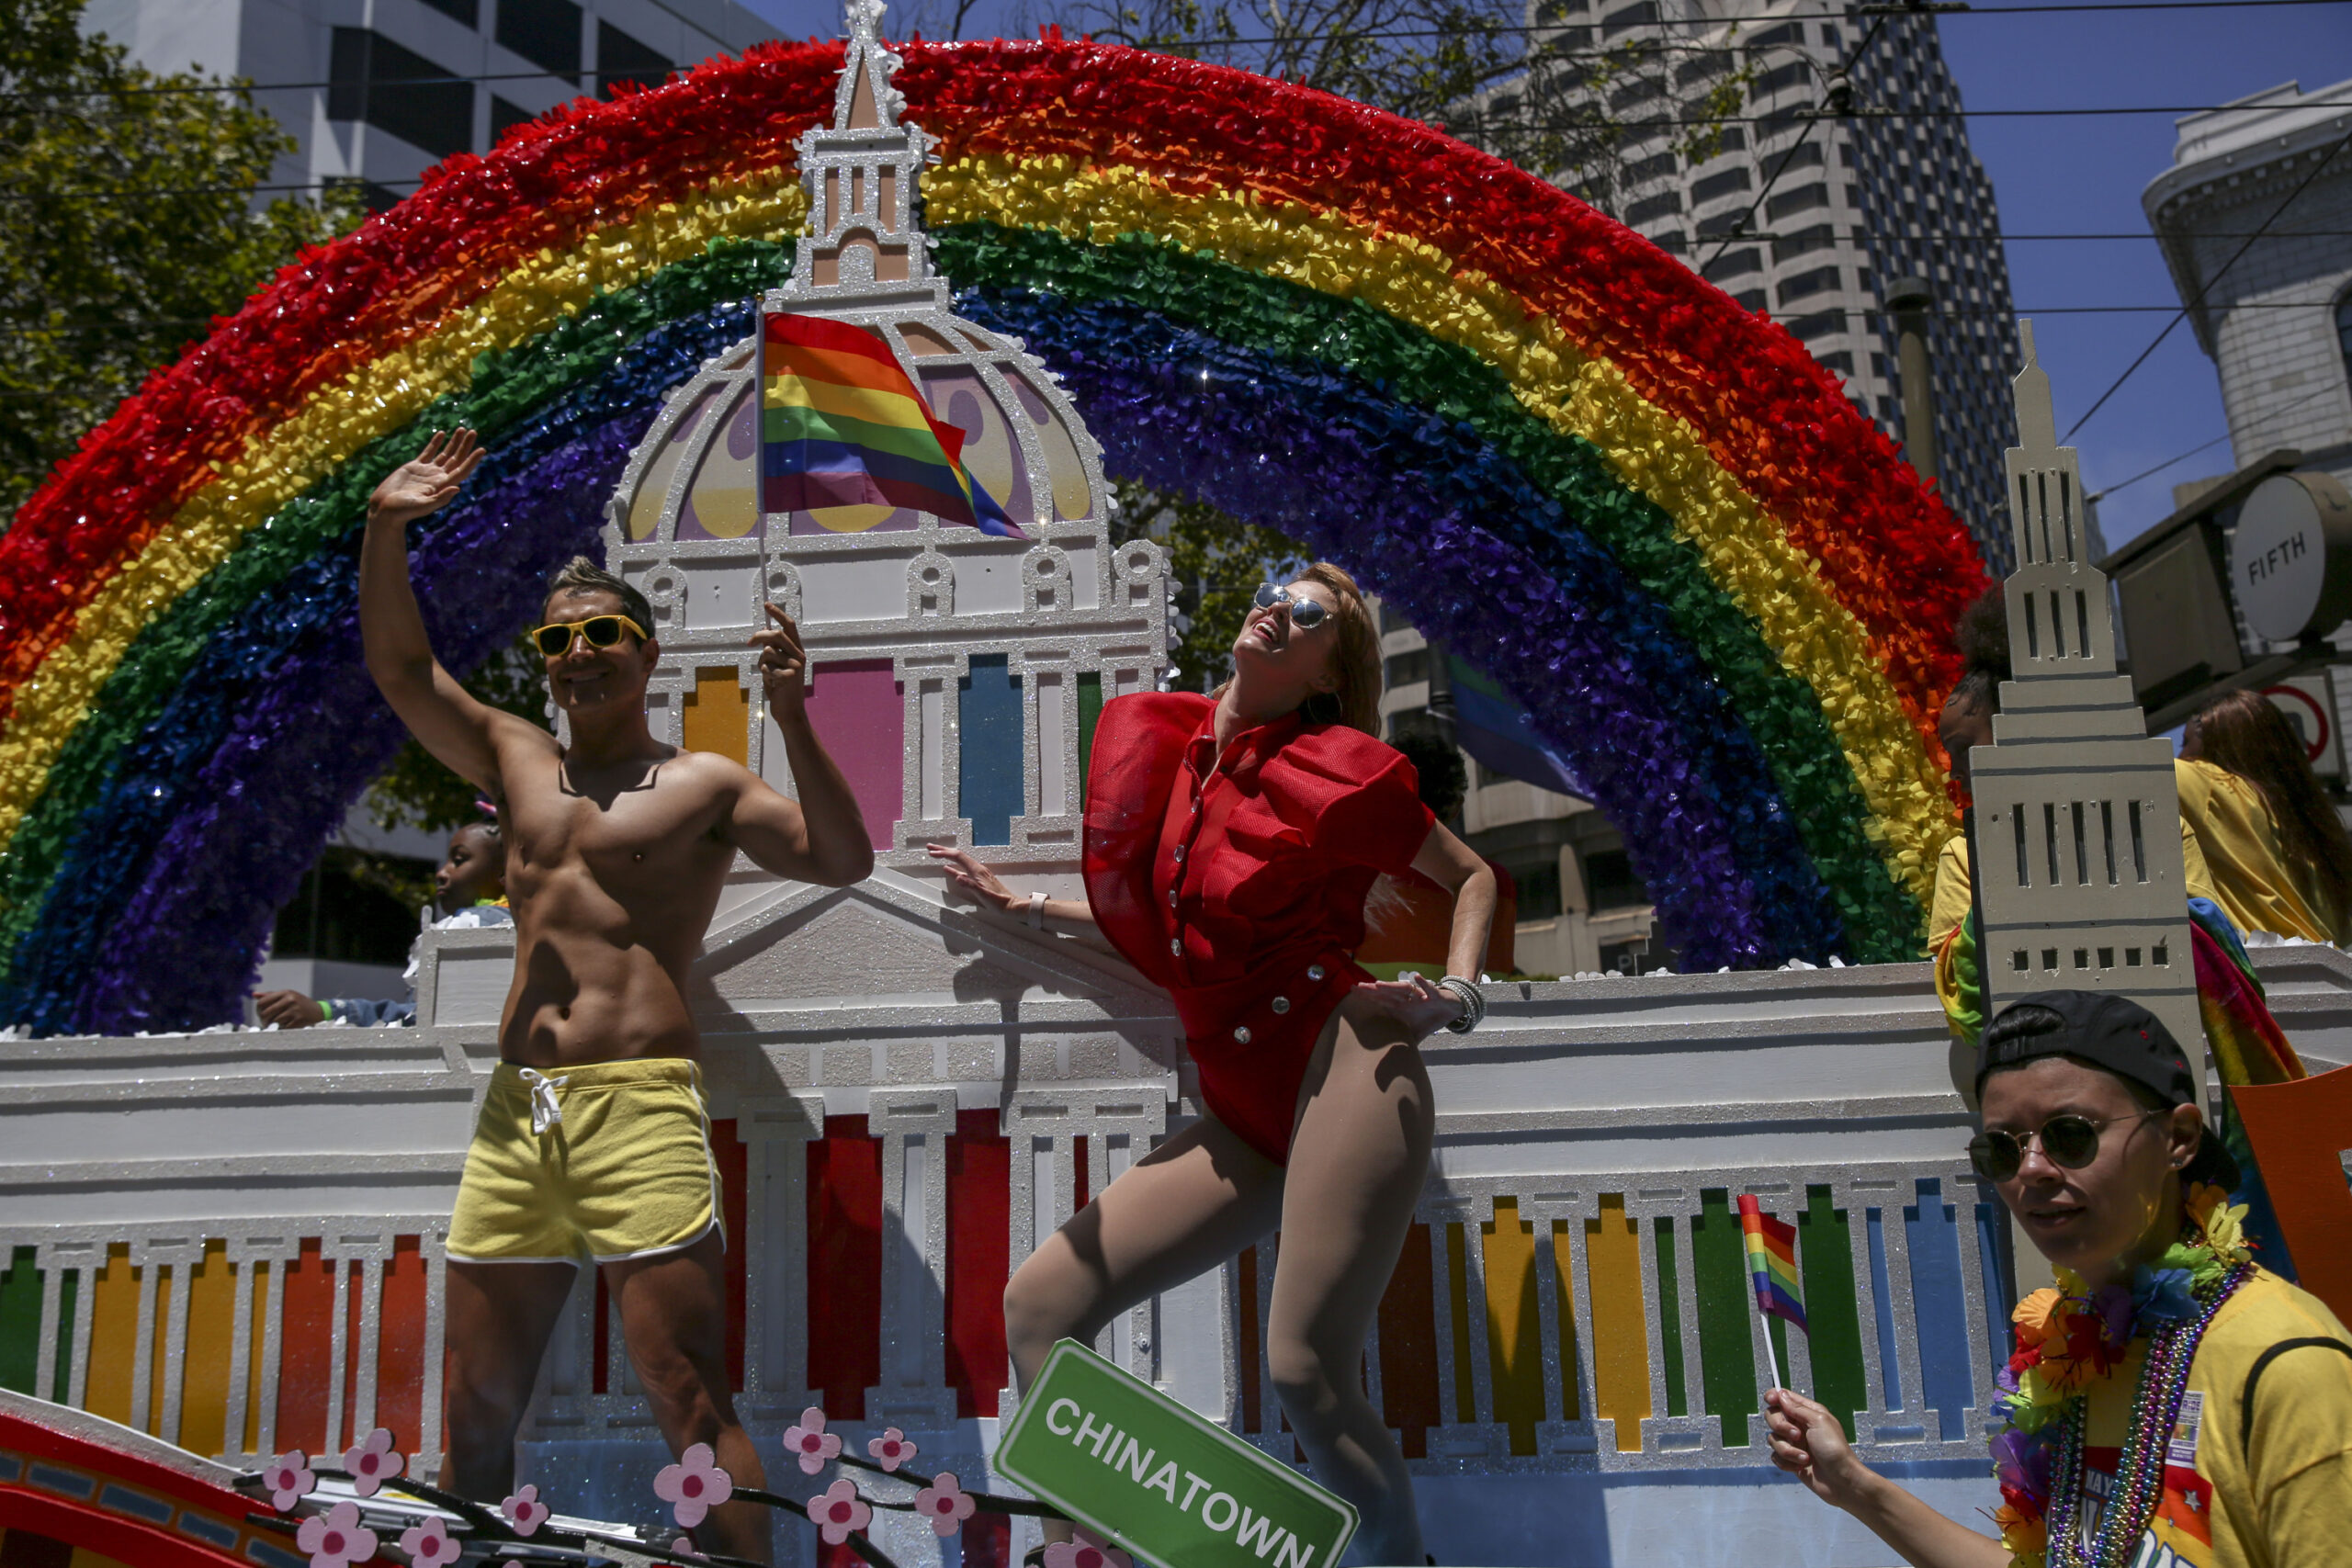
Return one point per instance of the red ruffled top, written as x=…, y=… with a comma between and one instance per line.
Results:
x=1237, y=882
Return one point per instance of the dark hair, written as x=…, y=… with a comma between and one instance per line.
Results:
x=2024, y=1021
x=1443, y=780
x=1981, y=638
x=2245, y=733
x=582, y=573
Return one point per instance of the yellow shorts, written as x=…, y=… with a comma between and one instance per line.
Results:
x=611, y=1161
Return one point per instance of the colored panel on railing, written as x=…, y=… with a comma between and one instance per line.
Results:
x=1564, y=1305
x=600, y=1338
x=1621, y=1345
x=1089, y=709
x=1514, y=1334
x=1245, y=1342
x=1457, y=1287
x=256, y=1339
x=159, y=1359
x=204, y=1371
x=1409, y=1392
x=716, y=716
x=1940, y=1314
x=855, y=709
x=1669, y=1318
x=400, y=1345
x=354, y=1297
x=1833, y=1337
x=979, y=1206
x=114, y=1337
x=305, y=1350
x=989, y=777
x=845, y=1266
x=20, y=1297
x=734, y=1162
x=1993, y=1258
x=1890, y=1367
x=1726, y=1343
x=987, y=1540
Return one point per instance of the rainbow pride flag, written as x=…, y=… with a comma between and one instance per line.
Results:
x=1773, y=1262
x=841, y=425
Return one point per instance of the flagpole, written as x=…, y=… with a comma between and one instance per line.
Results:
x=1772, y=1356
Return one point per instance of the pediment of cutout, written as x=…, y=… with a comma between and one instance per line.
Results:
x=878, y=945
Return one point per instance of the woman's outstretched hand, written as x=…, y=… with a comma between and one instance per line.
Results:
x=1809, y=1444
x=973, y=877
x=1413, y=1001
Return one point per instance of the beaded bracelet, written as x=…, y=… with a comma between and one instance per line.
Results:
x=1473, y=1000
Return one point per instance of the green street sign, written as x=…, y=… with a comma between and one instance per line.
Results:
x=1159, y=1481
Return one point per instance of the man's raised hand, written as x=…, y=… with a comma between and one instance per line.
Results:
x=425, y=482
x=784, y=668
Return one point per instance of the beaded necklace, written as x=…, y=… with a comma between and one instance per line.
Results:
x=2140, y=1470
x=2071, y=1337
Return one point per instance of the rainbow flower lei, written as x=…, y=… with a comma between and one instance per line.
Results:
x=2073, y=1336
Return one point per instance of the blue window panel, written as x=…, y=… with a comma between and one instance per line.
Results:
x=1890, y=1365
x=2000, y=1294
x=989, y=777
x=1937, y=1308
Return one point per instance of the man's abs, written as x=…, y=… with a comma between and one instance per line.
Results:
x=578, y=999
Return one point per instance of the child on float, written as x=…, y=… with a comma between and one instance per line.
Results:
x=2171, y=1402
x=469, y=891
x=1230, y=841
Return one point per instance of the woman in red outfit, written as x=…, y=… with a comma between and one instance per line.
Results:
x=1229, y=844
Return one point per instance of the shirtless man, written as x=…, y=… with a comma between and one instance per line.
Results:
x=593, y=1139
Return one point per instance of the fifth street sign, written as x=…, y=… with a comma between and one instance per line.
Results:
x=1139, y=1470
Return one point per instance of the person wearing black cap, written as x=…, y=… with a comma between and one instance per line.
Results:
x=2170, y=1402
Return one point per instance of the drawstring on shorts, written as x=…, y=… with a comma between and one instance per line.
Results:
x=546, y=1110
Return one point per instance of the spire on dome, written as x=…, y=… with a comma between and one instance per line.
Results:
x=865, y=100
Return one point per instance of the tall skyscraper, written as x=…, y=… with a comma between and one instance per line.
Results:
x=1809, y=214
x=415, y=81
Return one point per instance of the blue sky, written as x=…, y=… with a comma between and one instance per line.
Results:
x=2073, y=174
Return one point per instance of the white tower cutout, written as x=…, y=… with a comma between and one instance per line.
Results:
x=2076, y=863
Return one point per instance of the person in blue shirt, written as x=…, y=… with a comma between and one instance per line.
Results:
x=468, y=889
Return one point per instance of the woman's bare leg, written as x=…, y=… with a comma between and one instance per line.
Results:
x=1178, y=1213
x=1359, y=1156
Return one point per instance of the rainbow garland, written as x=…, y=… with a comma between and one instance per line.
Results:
x=1713, y=584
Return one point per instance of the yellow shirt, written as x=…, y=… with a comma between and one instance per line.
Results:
x=1949, y=905
x=2252, y=882
x=2275, y=1493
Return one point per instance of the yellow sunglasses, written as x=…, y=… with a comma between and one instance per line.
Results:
x=555, y=638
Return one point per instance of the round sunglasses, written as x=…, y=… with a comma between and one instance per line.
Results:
x=2069, y=1141
x=1305, y=614
x=556, y=637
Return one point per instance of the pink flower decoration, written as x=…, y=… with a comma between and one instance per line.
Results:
x=838, y=1510
x=944, y=1504
x=891, y=1450
x=428, y=1545
x=336, y=1539
x=524, y=1510
x=694, y=1486
x=683, y=1547
x=288, y=1477
x=373, y=1462
x=1086, y=1552
x=810, y=1443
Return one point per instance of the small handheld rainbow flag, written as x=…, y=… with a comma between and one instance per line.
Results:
x=1772, y=1265
x=841, y=425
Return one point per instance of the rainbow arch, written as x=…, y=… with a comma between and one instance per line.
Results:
x=1651, y=514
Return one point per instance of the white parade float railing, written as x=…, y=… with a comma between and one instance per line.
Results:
x=232, y=1241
